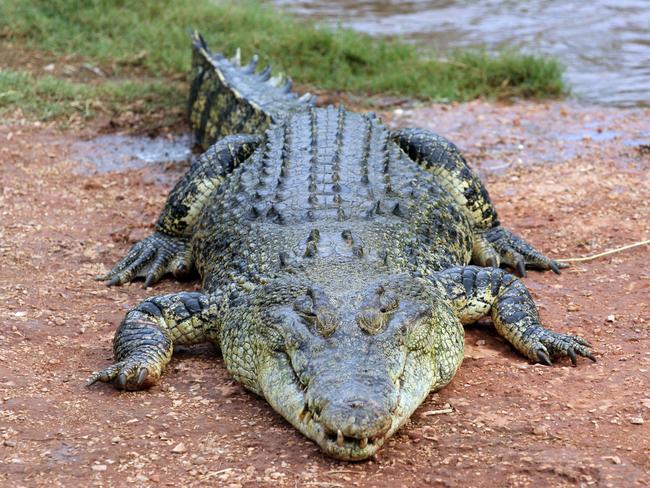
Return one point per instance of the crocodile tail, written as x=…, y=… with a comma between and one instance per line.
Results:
x=228, y=98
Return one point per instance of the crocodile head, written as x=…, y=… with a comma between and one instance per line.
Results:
x=348, y=369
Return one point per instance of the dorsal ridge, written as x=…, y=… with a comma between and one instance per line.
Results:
x=365, y=151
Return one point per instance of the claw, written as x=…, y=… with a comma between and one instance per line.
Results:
x=142, y=375
x=572, y=355
x=582, y=341
x=149, y=258
x=104, y=375
x=181, y=270
x=115, y=280
x=581, y=348
x=93, y=379
x=514, y=249
x=543, y=357
x=521, y=267
x=120, y=381
x=149, y=280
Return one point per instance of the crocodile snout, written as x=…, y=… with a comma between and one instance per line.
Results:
x=356, y=418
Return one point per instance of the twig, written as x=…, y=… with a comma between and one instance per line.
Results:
x=606, y=253
x=437, y=412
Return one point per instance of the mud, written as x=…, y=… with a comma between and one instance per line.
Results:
x=501, y=422
x=117, y=152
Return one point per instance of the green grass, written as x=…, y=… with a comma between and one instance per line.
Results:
x=47, y=97
x=149, y=38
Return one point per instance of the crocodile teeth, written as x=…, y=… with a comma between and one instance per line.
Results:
x=363, y=443
x=339, y=438
x=307, y=417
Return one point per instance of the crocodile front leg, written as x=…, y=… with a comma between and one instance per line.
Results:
x=476, y=292
x=493, y=244
x=167, y=250
x=144, y=342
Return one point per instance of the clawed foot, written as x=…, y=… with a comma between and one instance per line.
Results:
x=517, y=253
x=549, y=345
x=151, y=258
x=130, y=374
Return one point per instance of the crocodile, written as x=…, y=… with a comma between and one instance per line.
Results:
x=338, y=261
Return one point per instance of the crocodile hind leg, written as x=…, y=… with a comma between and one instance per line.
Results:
x=168, y=250
x=144, y=342
x=477, y=292
x=493, y=244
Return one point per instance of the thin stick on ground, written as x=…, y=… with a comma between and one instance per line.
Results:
x=606, y=253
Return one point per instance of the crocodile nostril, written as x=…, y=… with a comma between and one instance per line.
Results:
x=356, y=418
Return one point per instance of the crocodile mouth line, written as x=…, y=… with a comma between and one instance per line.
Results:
x=336, y=443
x=292, y=401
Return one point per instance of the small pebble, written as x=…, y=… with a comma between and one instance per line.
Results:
x=179, y=448
x=613, y=459
x=540, y=430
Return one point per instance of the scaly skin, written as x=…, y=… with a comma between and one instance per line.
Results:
x=335, y=262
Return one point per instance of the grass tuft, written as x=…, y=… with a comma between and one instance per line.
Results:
x=47, y=97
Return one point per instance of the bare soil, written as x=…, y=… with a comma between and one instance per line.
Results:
x=572, y=180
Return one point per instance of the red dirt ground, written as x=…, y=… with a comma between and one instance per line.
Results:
x=572, y=180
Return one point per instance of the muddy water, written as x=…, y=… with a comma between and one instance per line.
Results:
x=116, y=152
x=604, y=44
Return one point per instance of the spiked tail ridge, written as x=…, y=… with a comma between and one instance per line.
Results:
x=227, y=97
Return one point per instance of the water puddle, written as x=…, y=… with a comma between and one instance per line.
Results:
x=642, y=139
x=594, y=135
x=115, y=153
x=65, y=453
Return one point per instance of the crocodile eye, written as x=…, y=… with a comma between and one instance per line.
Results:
x=371, y=321
x=316, y=311
x=389, y=301
x=326, y=322
x=304, y=305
